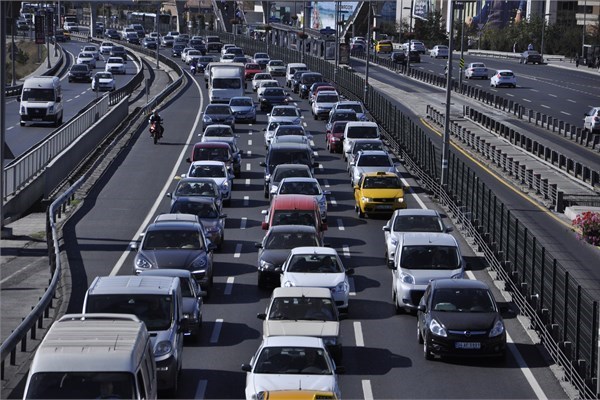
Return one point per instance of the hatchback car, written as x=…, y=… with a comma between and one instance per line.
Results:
x=86, y=58
x=439, y=51
x=150, y=43
x=119, y=51
x=218, y=171
x=115, y=65
x=251, y=69
x=266, y=83
x=103, y=81
x=460, y=317
x=291, y=133
x=105, y=47
x=289, y=113
x=307, y=186
x=378, y=193
x=275, y=248
x=476, y=70
x=531, y=56
x=80, y=73
x=258, y=77
x=503, y=77
x=261, y=59
x=384, y=46
x=318, y=267
x=197, y=187
x=367, y=161
x=306, y=80
x=177, y=50
x=217, y=114
x=415, y=45
x=213, y=221
x=93, y=50
x=591, y=120
x=410, y=220
x=269, y=131
x=335, y=136
x=276, y=67
x=272, y=96
x=243, y=109
x=323, y=103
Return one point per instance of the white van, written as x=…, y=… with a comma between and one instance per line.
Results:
x=156, y=300
x=41, y=100
x=226, y=80
x=94, y=356
x=290, y=69
x=359, y=130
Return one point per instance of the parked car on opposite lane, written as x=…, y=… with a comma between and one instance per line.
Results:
x=531, y=56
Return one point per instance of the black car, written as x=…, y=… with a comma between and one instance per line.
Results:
x=80, y=73
x=295, y=85
x=203, y=62
x=177, y=49
x=306, y=80
x=399, y=57
x=118, y=51
x=133, y=38
x=459, y=317
x=530, y=56
x=272, y=96
x=199, y=45
x=112, y=34
x=275, y=248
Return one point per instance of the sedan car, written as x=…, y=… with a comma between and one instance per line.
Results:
x=282, y=362
x=266, y=83
x=252, y=69
x=150, y=43
x=531, y=56
x=176, y=241
x=103, y=81
x=410, y=220
x=216, y=170
x=308, y=186
x=228, y=57
x=119, y=51
x=115, y=65
x=105, y=47
x=303, y=311
x=112, y=34
x=93, y=50
x=177, y=50
x=275, y=248
x=80, y=73
x=357, y=106
x=335, y=136
x=197, y=187
x=503, y=77
x=243, y=109
x=217, y=114
x=276, y=67
x=378, y=193
x=288, y=113
x=284, y=132
x=359, y=145
x=591, y=120
x=191, y=55
x=370, y=161
x=271, y=97
x=439, y=51
x=460, y=317
x=261, y=59
x=167, y=41
x=323, y=103
x=86, y=58
x=476, y=70
x=259, y=77
x=384, y=46
x=318, y=267
x=207, y=212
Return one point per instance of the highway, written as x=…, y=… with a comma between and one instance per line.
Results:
x=381, y=354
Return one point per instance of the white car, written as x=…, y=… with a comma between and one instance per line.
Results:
x=262, y=85
x=439, y=51
x=591, y=121
x=103, y=81
x=476, y=70
x=221, y=131
x=289, y=113
x=227, y=57
x=116, y=65
x=276, y=68
x=361, y=144
x=184, y=52
x=303, y=311
x=308, y=186
x=261, y=76
x=318, y=267
x=323, y=103
x=370, y=161
x=86, y=58
x=225, y=47
x=415, y=45
x=503, y=77
x=93, y=50
x=191, y=55
x=410, y=220
x=357, y=106
x=106, y=47
x=217, y=170
x=270, y=130
x=290, y=362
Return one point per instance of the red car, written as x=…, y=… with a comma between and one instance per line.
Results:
x=336, y=136
x=251, y=70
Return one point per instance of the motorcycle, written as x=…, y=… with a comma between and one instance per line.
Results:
x=156, y=131
x=193, y=69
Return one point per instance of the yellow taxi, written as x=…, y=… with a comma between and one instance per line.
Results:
x=378, y=193
x=384, y=46
x=296, y=395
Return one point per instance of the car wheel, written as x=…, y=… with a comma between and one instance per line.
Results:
x=426, y=352
x=360, y=213
x=387, y=260
x=21, y=123
x=315, y=117
x=266, y=193
x=261, y=281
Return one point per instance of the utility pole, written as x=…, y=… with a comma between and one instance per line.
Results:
x=366, y=92
x=446, y=137
x=461, y=64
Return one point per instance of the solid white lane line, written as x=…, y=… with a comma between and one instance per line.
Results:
x=340, y=224
x=358, y=335
x=243, y=223
x=346, y=251
x=201, y=389
x=248, y=167
x=238, y=250
x=214, y=338
x=246, y=200
x=537, y=389
x=367, y=391
x=229, y=285
x=410, y=189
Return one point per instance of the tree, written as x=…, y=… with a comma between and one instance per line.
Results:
x=432, y=30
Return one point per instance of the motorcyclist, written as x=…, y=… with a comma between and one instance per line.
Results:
x=194, y=66
x=155, y=117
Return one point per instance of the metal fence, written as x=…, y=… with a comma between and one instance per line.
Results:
x=562, y=312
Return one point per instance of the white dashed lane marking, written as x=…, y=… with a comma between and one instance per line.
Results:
x=238, y=250
x=340, y=224
x=229, y=285
x=214, y=338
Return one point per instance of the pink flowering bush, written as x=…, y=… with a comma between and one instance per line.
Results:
x=588, y=223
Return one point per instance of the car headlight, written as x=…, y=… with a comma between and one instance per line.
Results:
x=162, y=348
x=225, y=185
x=212, y=229
x=336, y=139
x=268, y=178
x=407, y=278
x=399, y=199
x=23, y=110
x=366, y=199
x=51, y=110
x=341, y=287
x=199, y=263
x=259, y=396
x=265, y=265
x=142, y=262
x=498, y=329
x=437, y=329
x=288, y=284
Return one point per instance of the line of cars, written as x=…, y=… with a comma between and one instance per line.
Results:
x=114, y=57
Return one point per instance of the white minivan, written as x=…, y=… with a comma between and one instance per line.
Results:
x=359, y=130
x=421, y=257
x=290, y=69
x=94, y=356
x=41, y=101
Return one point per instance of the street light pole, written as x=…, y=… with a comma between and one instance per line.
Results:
x=368, y=56
x=446, y=138
x=543, y=30
x=462, y=46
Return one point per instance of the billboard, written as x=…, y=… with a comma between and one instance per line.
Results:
x=323, y=13
x=422, y=8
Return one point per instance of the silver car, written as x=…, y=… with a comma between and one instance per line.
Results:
x=243, y=109
x=207, y=212
x=370, y=161
x=308, y=186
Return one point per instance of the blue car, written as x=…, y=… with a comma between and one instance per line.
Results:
x=243, y=109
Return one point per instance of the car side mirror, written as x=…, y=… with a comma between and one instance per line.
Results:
x=262, y=316
x=202, y=294
x=449, y=229
x=350, y=271
x=169, y=195
x=421, y=307
x=183, y=325
x=265, y=226
x=258, y=245
x=262, y=164
x=134, y=245
x=246, y=367
x=19, y=99
x=188, y=160
x=212, y=247
x=386, y=228
x=58, y=99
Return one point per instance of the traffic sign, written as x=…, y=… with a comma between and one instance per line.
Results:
x=327, y=31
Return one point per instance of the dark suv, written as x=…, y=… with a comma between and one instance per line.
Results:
x=80, y=73
x=306, y=81
x=118, y=51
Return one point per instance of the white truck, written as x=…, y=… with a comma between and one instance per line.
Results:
x=41, y=101
x=225, y=80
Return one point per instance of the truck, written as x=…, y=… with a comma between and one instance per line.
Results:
x=225, y=80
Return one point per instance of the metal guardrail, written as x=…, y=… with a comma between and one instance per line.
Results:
x=12, y=91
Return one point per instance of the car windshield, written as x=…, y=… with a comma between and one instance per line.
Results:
x=479, y=65
x=327, y=98
x=289, y=157
x=339, y=127
x=163, y=239
x=342, y=116
x=115, y=61
x=269, y=84
x=276, y=63
x=284, y=112
x=290, y=130
x=382, y=182
x=252, y=66
x=201, y=209
x=274, y=92
x=208, y=171
x=462, y=300
x=274, y=125
x=506, y=74
x=418, y=223
x=196, y=189
x=259, y=77
x=79, y=67
x=241, y=102
x=34, y=94
x=155, y=310
x=373, y=161
x=292, y=360
x=308, y=79
x=290, y=173
x=367, y=146
x=220, y=131
x=356, y=107
x=211, y=154
x=430, y=257
x=104, y=75
x=226, y=83
x=364, y=132
x=261, y=55
x=302, y=308
x=81, y=385
x=314, y=263
x=285, y=217
x=215, y=109
x=289, y=240
x=310, y=188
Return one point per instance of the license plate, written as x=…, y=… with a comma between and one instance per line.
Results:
x=385, y=207
x=36, y=119
x=468, y=345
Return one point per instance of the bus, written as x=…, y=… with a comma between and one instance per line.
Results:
x=148, y=21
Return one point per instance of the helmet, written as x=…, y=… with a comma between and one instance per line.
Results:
x=155, y=111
